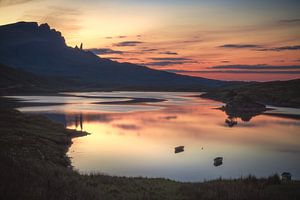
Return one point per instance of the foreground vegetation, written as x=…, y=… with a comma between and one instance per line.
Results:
x=34, y=165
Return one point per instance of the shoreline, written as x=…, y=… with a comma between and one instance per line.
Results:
x=33, y=150
x=126, y=101
x=222, y=95
x=276, y=93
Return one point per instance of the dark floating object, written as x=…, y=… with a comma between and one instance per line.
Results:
x=218, y=161
x=231, y=122
x=179, y=149
x=286, y=176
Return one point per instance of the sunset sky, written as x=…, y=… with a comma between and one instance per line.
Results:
x=221, y=39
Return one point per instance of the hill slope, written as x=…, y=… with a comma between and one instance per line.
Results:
x=20, y=81
x=277, y=93
x=42, y=51
x=17, y=81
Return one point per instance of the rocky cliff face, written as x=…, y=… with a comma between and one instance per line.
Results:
x=28, y=32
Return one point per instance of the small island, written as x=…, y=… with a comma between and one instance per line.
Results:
x=250, y=95
x=243, y=107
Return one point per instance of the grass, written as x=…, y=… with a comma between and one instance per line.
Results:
x=34, y=165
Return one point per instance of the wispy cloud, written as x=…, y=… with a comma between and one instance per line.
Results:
x=146, y=49
x=191, y=41
x=128, y=43
x=240, y=46
x=104, y=51
x=289, y=21
x=166, y=61
x=225, y=61
x=283, y=48
x=256, y=67
x=149, y=49
x=120, y=37
x=13, y=2
x=61, y=18
x=260, y=47
x=135, y=59
x=168, y=53
x=170, y=117
x=260, y=27
x=234, y=71
x=171, y=59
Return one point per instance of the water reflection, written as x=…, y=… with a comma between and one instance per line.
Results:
x=142, y=142
x=80, y=121
x=244, y=116
x=231, y=121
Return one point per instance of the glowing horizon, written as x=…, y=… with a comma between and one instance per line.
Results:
x=257, y=40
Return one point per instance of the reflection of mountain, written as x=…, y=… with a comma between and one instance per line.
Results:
x=241, y=106
x=42, y=51
x=245, y=116
x=78, y=119
x=231, y=122
x=233, y=116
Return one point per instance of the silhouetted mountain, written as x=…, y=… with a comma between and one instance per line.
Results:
x=42, y=51
x=20, y=81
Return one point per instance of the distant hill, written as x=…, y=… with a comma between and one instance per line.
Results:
x=42, y=51
x=277, y=93
x=20, y=81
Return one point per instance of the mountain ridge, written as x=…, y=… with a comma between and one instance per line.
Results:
x=41, y=50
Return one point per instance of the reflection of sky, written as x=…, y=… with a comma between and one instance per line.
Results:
x=182, y=35
x=62, y=99
x=141, y=142
x=283, y=110
x=87, y=108
x=77, y=102
x=171, y=97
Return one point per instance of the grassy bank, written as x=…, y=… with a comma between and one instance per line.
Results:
x=277, y=93
x=33, y=165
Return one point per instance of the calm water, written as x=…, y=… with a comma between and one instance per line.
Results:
x=139, y=139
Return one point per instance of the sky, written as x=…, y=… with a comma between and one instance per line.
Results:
x=221, y=39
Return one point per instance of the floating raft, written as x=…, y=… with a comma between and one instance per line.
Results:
x=218, y=161
x=179, y=149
